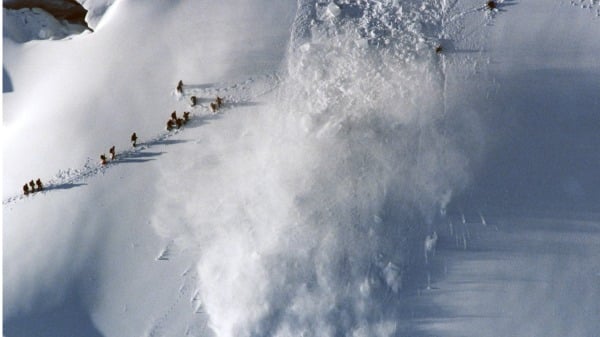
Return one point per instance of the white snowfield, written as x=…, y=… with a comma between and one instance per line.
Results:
x=354, y=182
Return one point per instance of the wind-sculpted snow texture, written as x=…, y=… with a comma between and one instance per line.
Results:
x=304, y=225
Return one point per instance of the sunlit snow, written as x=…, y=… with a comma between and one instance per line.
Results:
x=355, y=181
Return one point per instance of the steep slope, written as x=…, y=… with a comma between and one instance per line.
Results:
x=87, y=241
x=521, y=261
x=302, y=207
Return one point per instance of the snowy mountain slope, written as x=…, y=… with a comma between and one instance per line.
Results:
x=524, y=276
x=528, y=268
x=119, y=108
x=123, y=106
x=349, y=153
x=302, y=206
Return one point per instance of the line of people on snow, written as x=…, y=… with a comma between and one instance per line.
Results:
x=174, y=122
x=214, y=106
x=33, y=187
x=177, y=122
x=113, y=154
x=193, y=99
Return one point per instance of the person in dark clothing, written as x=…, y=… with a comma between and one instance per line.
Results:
x=174, y=115
x=112, y=152
x=169, y=125
x=186, y=116
x=219, y=101
x=134, y=139
x=491, y=4
x=32, y=186
x=102, y=159
x=180, y=86
x=26, y=189
x=38, y=183
x=194, y=100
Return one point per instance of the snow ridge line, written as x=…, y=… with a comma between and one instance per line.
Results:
x=235, y=94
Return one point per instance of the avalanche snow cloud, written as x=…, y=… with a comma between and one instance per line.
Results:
x=302, y=225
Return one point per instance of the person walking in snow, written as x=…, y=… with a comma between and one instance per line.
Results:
x=429, y=246
x=134, y=139
x=219, y=101
x=112, y=152
x=38, y=183
x=102, y=159
x=32, y=186
x=174, y=116
x=180, y=87
x=26, y=189
x=194, y=100
x=186, y=116
x=213, y=107
x=170, y=125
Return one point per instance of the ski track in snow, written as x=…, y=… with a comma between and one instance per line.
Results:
x=235, y=94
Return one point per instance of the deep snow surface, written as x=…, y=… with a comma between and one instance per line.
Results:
x=302, y=207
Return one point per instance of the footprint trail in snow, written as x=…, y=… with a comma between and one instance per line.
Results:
x=236, y=94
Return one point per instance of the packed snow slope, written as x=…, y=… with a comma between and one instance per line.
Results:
x=302, y=206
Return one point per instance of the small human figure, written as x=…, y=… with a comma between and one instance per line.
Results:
x=32, y=186
x=26, y=189
x=491, y=4
x=179, y=122
x=219, y=101
x=186, y=116
x=429, y=246
x=134, y=139
x=38, y=183
x=213, y=107
x=174, y=115
x=169, y=125
x=112, y=152
x=194, y=100
x=180, y=86
x=439, y=49
x=102, y=159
